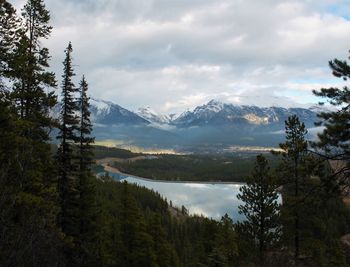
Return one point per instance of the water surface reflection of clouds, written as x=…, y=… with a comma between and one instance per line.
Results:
x=210, y=200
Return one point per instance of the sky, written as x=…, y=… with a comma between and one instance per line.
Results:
x=173, y=55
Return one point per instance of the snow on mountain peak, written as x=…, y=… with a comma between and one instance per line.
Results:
x=146, y=110
x=218, y=113
x=101, y=106
x=214, y=105
x=149, y=114
x=213, y=112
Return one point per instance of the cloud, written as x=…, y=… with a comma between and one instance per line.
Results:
x=172, y=55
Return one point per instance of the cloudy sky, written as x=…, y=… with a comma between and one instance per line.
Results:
x=176, y=54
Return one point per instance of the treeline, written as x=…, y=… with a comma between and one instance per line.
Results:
x=113, y=152
x=30, y=234
x=138, y=229
x=48, y=206
x=192, y=167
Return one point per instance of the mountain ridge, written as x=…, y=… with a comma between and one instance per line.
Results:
x=213, y=112
x=219, y=113
x=109, y=113
x=211, y=127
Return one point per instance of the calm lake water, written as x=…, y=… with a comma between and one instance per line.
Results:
x=212, y=200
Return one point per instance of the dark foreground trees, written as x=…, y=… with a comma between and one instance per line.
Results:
x=29, y=234
x=333, y=145
x=311, y=202
x=78, y=214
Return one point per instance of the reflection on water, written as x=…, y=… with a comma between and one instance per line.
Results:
x=210, y=200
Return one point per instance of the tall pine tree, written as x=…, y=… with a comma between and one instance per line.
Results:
x=67, y=164
x=31, y=223
x=10, y=31
x=86, y=187
x=334, y=140
x=294, y=154
x=34, y=98
x=261, y=208
x=31, y=60
x=84, y=139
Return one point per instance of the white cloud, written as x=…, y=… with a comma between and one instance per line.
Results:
x=173, y=55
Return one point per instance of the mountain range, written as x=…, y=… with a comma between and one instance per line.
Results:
x=211, y=125
x=213, y=113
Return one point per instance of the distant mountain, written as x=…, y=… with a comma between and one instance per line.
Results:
x=216, y=113
x=150, y=115
x=108, y=113
x=213, y=126
x=112, y=121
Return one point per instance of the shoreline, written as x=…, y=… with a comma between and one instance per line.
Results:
x=110, y=169
x=184, y=182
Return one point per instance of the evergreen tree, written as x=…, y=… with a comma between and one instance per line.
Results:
x=67, y=165
x=33, y=80
x=8, y=148
x=333, y=144
x=10, y=32
x=30, y=224
x=325, y=219
x=165, y=256
x=294, y=153
x=31, y=93
x=225, y=250
x=260, y=207
x=138, y=244
x=85, y=128
x=87, y=205
x=334, y=140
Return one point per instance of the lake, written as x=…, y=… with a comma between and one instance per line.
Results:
x=212, y=200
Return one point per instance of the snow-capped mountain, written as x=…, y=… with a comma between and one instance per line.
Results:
x=213, y=113
x=319, y=108
x=109, y=113
x=152, y=116
x=215, y=124
x=218, y=113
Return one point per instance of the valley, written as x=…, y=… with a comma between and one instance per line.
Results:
x=229, y=167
